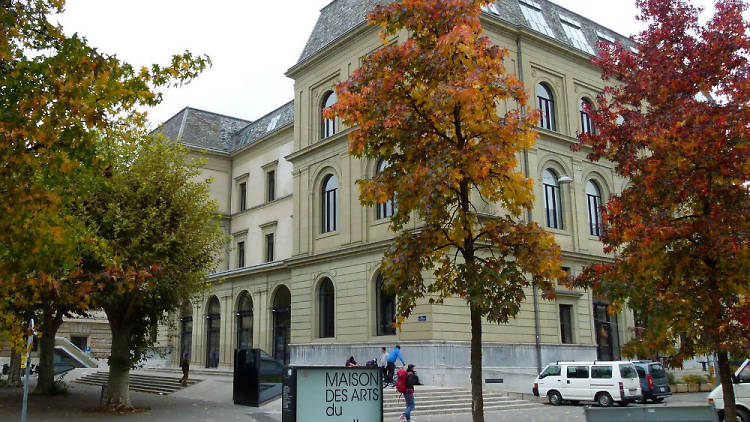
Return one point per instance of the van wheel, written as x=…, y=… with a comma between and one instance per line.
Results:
x=743, y=415
x=554, y=398
x=604, y=399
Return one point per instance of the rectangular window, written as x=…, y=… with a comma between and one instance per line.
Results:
x=566, y=324
x=271, y=185
x=578, y=371
x=575, y=35
x=241, y=255
x=269, y=247
x=601, y=372
x=243, y=196
x=80, y=342
x=533, y=14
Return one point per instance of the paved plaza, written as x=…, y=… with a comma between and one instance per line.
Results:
x=211, y=400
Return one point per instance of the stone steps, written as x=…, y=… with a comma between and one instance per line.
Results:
x=141, y=383
x=431, y=401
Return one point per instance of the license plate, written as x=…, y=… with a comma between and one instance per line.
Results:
x=661, y=389
x=633, y=390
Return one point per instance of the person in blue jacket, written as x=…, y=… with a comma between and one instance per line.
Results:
x=395, y=354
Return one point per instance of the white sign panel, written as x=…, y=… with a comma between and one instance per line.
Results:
x=339, y=395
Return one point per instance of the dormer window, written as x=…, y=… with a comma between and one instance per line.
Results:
x=533, y=14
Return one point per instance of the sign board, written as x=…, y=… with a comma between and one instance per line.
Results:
x=422, y=318
x=332, y=394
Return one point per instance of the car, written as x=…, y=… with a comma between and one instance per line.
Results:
x=604, y=382
x=741, y=381
x=654, y=382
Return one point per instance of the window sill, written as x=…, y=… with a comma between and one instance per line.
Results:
x=381, y=222
x=325, y=235
x=557, y=231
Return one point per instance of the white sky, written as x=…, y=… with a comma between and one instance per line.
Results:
x=252, y=43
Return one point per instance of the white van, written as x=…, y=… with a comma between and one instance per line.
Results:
x=741, y=394
x=604, y=382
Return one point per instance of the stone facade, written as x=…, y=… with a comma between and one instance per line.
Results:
x=316, y=300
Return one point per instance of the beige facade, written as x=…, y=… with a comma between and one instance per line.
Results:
x=314, y=242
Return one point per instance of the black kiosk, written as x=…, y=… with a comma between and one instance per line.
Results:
x=257, y=377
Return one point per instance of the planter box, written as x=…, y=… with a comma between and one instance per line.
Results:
x=673, y=388
x=681, y=388
x=706, y=387
x=693, y=388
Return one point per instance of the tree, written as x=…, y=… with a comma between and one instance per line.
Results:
x=56, y=93
x=162, y=235
x=429, y=106
x=680, y=229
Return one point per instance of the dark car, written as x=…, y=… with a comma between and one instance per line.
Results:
x=654, y=382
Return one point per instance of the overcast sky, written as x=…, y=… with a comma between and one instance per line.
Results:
x=252, y=43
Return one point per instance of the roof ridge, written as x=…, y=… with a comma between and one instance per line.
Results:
x=216, y=114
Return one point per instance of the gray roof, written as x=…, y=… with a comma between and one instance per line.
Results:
x=266, y=125
x=341, y=16
x=203, y=129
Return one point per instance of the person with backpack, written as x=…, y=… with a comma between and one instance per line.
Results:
x=395, y=354
x=405, y=383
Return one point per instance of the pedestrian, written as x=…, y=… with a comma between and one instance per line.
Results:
x=407, y=380
x=383, y=364
x=185, y=365
x=351, y=362
x=395, y=354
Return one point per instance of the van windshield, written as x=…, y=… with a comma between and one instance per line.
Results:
x=627, y=370
x=657, y=371
x=550, y=371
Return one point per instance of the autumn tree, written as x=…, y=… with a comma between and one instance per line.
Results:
x=675, y=121
x=162, y=236
x=56, y=91
x=428, y=105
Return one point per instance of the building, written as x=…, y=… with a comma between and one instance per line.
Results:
x=300, y=278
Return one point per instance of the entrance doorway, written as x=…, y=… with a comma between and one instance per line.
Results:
x=282, y=323
x=213, y=328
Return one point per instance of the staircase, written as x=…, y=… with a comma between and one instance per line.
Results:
x=141, y=383
x=432, y=401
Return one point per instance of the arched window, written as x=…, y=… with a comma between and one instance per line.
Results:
x=325, y=309
x=546, y=107
x=213, y=328
x=385, y=209
x=245, y=322
x=186, y=330
x=586, y=125
x=328, y=201
x=594, y=199
x=552, y=200
x=282, y=323
x=385, y=310
x=329, y=126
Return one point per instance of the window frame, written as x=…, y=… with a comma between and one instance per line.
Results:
x=329, y=205
x=566, y=327
x=552, y=196
x=243, y=196
x=381, y=328
x=546, y=107
x=586, y=125
x=326, y=309
x=328, y=127
x=388, y=208
x=271, y=185
x=240, y=315
x=241, y=254
x=594, y=205
x=269, y=246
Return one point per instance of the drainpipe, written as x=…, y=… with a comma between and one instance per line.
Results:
x=537, y=338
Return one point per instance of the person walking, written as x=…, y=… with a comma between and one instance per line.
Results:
x=383, y=364
x=395, y=354
x=411, y=379
x=185, y=365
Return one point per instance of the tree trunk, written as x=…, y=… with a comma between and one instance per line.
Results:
x=477, y=400
x=14, y=373
x=46, y=370
x=118, y=393
x=727, y=386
